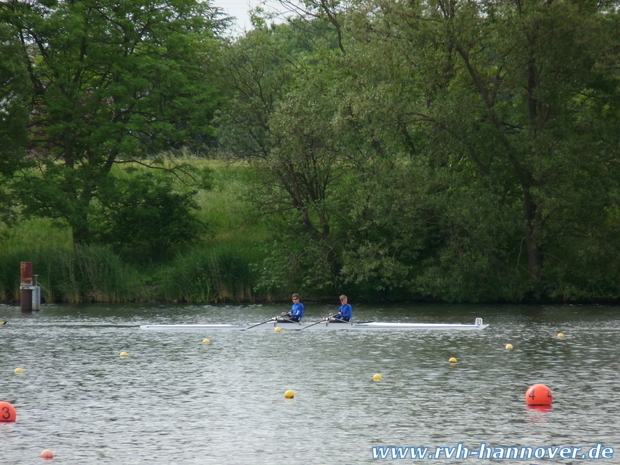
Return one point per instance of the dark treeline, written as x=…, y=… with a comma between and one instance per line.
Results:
x=442, y=150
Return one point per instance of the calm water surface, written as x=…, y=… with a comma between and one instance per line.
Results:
x=176, y=400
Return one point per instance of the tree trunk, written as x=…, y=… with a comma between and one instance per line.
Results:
x=532, y=229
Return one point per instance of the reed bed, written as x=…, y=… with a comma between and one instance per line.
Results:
x=216, y=274
x=83, y=274
x=96, y=274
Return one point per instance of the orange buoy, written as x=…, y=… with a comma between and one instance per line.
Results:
x=47, y=454
x=7, y=412
x=539, y=394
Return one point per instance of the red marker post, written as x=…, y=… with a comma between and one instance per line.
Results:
x=26, y=286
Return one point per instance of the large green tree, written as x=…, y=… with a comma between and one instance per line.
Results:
x=112, y=82
x=469, y=146
x=271, y=79
x=13, y=113
x=518, y=102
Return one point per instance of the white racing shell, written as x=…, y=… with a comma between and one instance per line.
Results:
x=326, y=324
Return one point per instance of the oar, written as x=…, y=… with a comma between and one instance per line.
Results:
x=321, y=321
x=258, y=324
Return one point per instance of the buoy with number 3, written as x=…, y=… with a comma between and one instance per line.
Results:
x=7, y=412
x=538, y=394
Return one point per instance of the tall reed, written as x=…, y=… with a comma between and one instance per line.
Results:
x=82, y=274
x=95, y=274
x=209, y=274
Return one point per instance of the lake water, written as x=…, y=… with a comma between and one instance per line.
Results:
x=177, y=400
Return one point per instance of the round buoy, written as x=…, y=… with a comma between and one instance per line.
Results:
x=206, y=341
x=560, y=335
x=19, y=370
x=278, y=330
x=377, y=377
x=508, y=346
x=7, y=412
x=289, y=394
x=124, y=354
x=452, y=360
x=538, y=394
x=47, y=454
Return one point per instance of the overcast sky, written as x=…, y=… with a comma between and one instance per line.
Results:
x=239, y=9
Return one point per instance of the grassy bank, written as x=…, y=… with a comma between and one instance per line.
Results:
x=218, y=268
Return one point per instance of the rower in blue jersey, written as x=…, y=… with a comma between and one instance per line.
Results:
x=345, y=312
x=297, y=310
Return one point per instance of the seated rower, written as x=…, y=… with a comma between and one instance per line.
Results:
x=345, y=312
x=296, y=313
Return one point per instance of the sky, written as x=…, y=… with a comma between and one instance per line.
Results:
x=239, y=9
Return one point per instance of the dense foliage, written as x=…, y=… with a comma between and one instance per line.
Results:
x=428, y=149
x=106, y=82
x=463, y=151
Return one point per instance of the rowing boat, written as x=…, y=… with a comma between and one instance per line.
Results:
x=325, y=324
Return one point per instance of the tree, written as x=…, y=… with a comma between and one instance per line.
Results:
x=113, y=82
x=145, y=212
x=510, y=95
x=13, y=114
x=268, y=123
x=449, y=149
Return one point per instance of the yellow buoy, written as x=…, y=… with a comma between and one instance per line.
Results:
x=452, y=360
x=206, y=341
x=278, y=330
x=508, y=346
x=377, y=377
x=19, y=370
x=124, y=354
x=289, y=394
x=560, y=335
